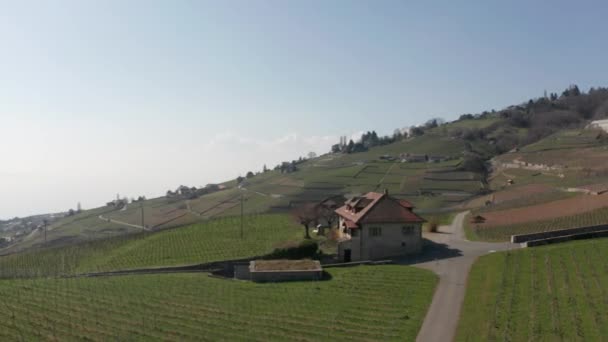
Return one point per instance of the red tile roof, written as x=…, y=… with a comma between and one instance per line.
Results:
x=350, y=224
x=406, y=204
x=374, y=207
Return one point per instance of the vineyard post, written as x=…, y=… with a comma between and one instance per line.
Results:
x=45, y=223
x=142, y=216
x=241, y=215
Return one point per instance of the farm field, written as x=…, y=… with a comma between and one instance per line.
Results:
x=199, y=243
x=179, y=307
x=546, y=211
x=553, y=293
x=503, y=233
x=524, y=196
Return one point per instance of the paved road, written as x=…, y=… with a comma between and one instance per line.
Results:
x=450, y=255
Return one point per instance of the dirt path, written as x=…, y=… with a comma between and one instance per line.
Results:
x=101, y=217
x=450, y=256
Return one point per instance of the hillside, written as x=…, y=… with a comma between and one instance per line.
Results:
x=428, y=185
x=545, y=186
x=539, y=143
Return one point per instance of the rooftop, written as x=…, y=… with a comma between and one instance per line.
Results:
x=376, y=207
x=285, y=265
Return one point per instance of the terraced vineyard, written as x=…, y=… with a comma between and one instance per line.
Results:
x=204, y=242
x=554, y=293
x=503, y=233
x=181, y=307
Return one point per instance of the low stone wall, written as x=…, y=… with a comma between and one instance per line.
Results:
x=276, y=276
x=241, y=271
x=566, y=238
x=557, y=233
x=357, y=263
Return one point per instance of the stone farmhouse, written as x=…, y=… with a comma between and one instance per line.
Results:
x=376, y=226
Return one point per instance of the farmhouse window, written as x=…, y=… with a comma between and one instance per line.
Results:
x=407, y=230
x=375, y=231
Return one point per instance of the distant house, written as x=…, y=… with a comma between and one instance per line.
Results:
x=599, y=124
x=118, y=203
x=212, y=187
x=333, y=202
x=414, y=158
x=376, y=226
x=436, y=159
x=387, y=157
x=184, y=190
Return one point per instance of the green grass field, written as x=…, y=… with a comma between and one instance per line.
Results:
x=199, y=243
x=361, y=303
x=503, y=233
x=554, y=293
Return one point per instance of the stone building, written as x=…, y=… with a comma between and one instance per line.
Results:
x=376, y=226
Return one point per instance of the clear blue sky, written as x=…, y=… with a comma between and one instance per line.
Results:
x=136, y=97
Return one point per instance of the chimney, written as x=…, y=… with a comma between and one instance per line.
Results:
x=386, y=191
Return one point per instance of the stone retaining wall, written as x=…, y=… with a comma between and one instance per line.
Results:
x=276, y=276
x=557, y=233
x=566, y=238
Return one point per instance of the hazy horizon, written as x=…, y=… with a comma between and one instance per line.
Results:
x=139, y=97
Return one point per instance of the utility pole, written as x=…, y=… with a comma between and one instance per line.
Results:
x=241, y=216
x=45, y=223
x=142, y=216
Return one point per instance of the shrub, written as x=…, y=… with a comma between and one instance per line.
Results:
x=433, y=225
x=303, y=250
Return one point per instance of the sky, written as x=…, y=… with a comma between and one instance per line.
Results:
x=138, y=97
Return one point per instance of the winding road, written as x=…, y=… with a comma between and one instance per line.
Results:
x=450, y=256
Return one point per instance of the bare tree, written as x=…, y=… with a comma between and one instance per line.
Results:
x=306, y=214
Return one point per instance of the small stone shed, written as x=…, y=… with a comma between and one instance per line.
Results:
x=280, y=270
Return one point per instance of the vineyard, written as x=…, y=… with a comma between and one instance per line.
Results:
x=546, y=211
x=503, y=233
x=203, y=242
x=555, y=293
x=180, y=307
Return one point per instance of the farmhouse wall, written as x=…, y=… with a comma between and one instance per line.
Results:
x=391, y=242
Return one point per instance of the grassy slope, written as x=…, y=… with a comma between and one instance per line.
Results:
x=538, y=294
x=198, y=243
x=182, y=307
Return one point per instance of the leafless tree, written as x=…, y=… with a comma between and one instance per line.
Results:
x=306, y=214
